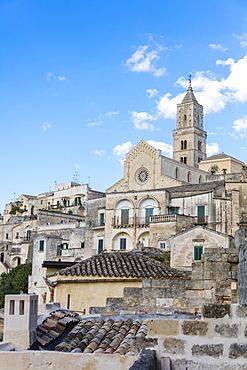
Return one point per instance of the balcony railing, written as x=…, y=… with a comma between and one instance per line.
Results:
x=130, y=221
x=164, y=218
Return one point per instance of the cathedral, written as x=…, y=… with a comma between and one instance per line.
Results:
x=159, y=205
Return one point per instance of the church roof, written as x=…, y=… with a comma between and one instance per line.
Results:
x=189, y=96
x=123, y=265
x=220, y=156
x=194, y=188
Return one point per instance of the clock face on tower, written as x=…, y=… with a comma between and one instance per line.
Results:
x=142, y=175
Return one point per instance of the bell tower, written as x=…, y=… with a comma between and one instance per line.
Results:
x=189, y=138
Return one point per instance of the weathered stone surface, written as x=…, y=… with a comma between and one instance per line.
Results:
x=133, y=292
x=226, y=330
x=238, y=350
x=162, y=327
x=192, y=327
x=216, y=310
x=137, y=344
x=182, y=364
x=214, y=350
x=242, y=310
x=146, y=360
x=213, y=257
x=174, y=346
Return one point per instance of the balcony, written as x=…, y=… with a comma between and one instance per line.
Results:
x=164, y=218
x=130, y=222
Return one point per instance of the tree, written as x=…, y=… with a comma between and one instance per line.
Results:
x=14, y=281
x=213, y=169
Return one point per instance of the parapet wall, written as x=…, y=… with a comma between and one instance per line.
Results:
x=217, y=341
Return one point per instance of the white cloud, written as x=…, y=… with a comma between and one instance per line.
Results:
x=217, y=47
x=46, y=126
x=92, y=124
x=243, y=39
x=228, y=62
x=50, y=76
x=152, y=92
x=212, y=149
x=140, y=120
x=144, y=59
x=77, y=166
x=101, y=153
x=240, y=126
x=213, y=94
x=167, y=149
x=111, y=114
x=121, y=149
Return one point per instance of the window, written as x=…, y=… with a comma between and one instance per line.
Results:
x=176, y=173
x=148, y=213
x=188, y=177
x=7, y=236
x=65, y=246
x=82, y=245
x=100, y=245
x=200, y=179
x=17, y=235
x=182, y=145
x=124, y=216
x=199, y=145
x=21, y=307
x=11, y=307
x=173, y=210
x=185, y=160
x=200, y=214
x=28, y=235
x=162, y=245
x=59, y=250
x=77, y=201
x=68, y=302
x=41, y=245
x=122, y=244
x=101, y=219
x=198, y=251
x=185, y=144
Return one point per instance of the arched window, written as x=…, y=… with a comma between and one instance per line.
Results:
x=200, y=179
x=182, y=144
x=189, y=177
x=199, y=145
x=185, y=144
x=176, y=173
x=185, y=117
x=185, y=160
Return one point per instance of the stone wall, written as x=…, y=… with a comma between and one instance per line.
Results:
x=63, y=361
x=213, y=280
x=218, y=340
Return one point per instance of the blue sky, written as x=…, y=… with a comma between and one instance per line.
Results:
x=84, y=81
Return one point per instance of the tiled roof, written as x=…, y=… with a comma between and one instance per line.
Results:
x=221, y=156
x=203, y=187
x=89, y=335
x=54, y=326
x=123, y=265
x=101, y=336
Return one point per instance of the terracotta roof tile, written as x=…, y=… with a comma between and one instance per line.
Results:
x=122, y=264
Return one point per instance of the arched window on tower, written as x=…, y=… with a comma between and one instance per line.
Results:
x=200, y=146
x=185, y=144
x=182, y=144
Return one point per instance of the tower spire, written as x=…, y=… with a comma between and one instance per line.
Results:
x=189, y=82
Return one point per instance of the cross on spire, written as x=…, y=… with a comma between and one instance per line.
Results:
x=189, y=80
